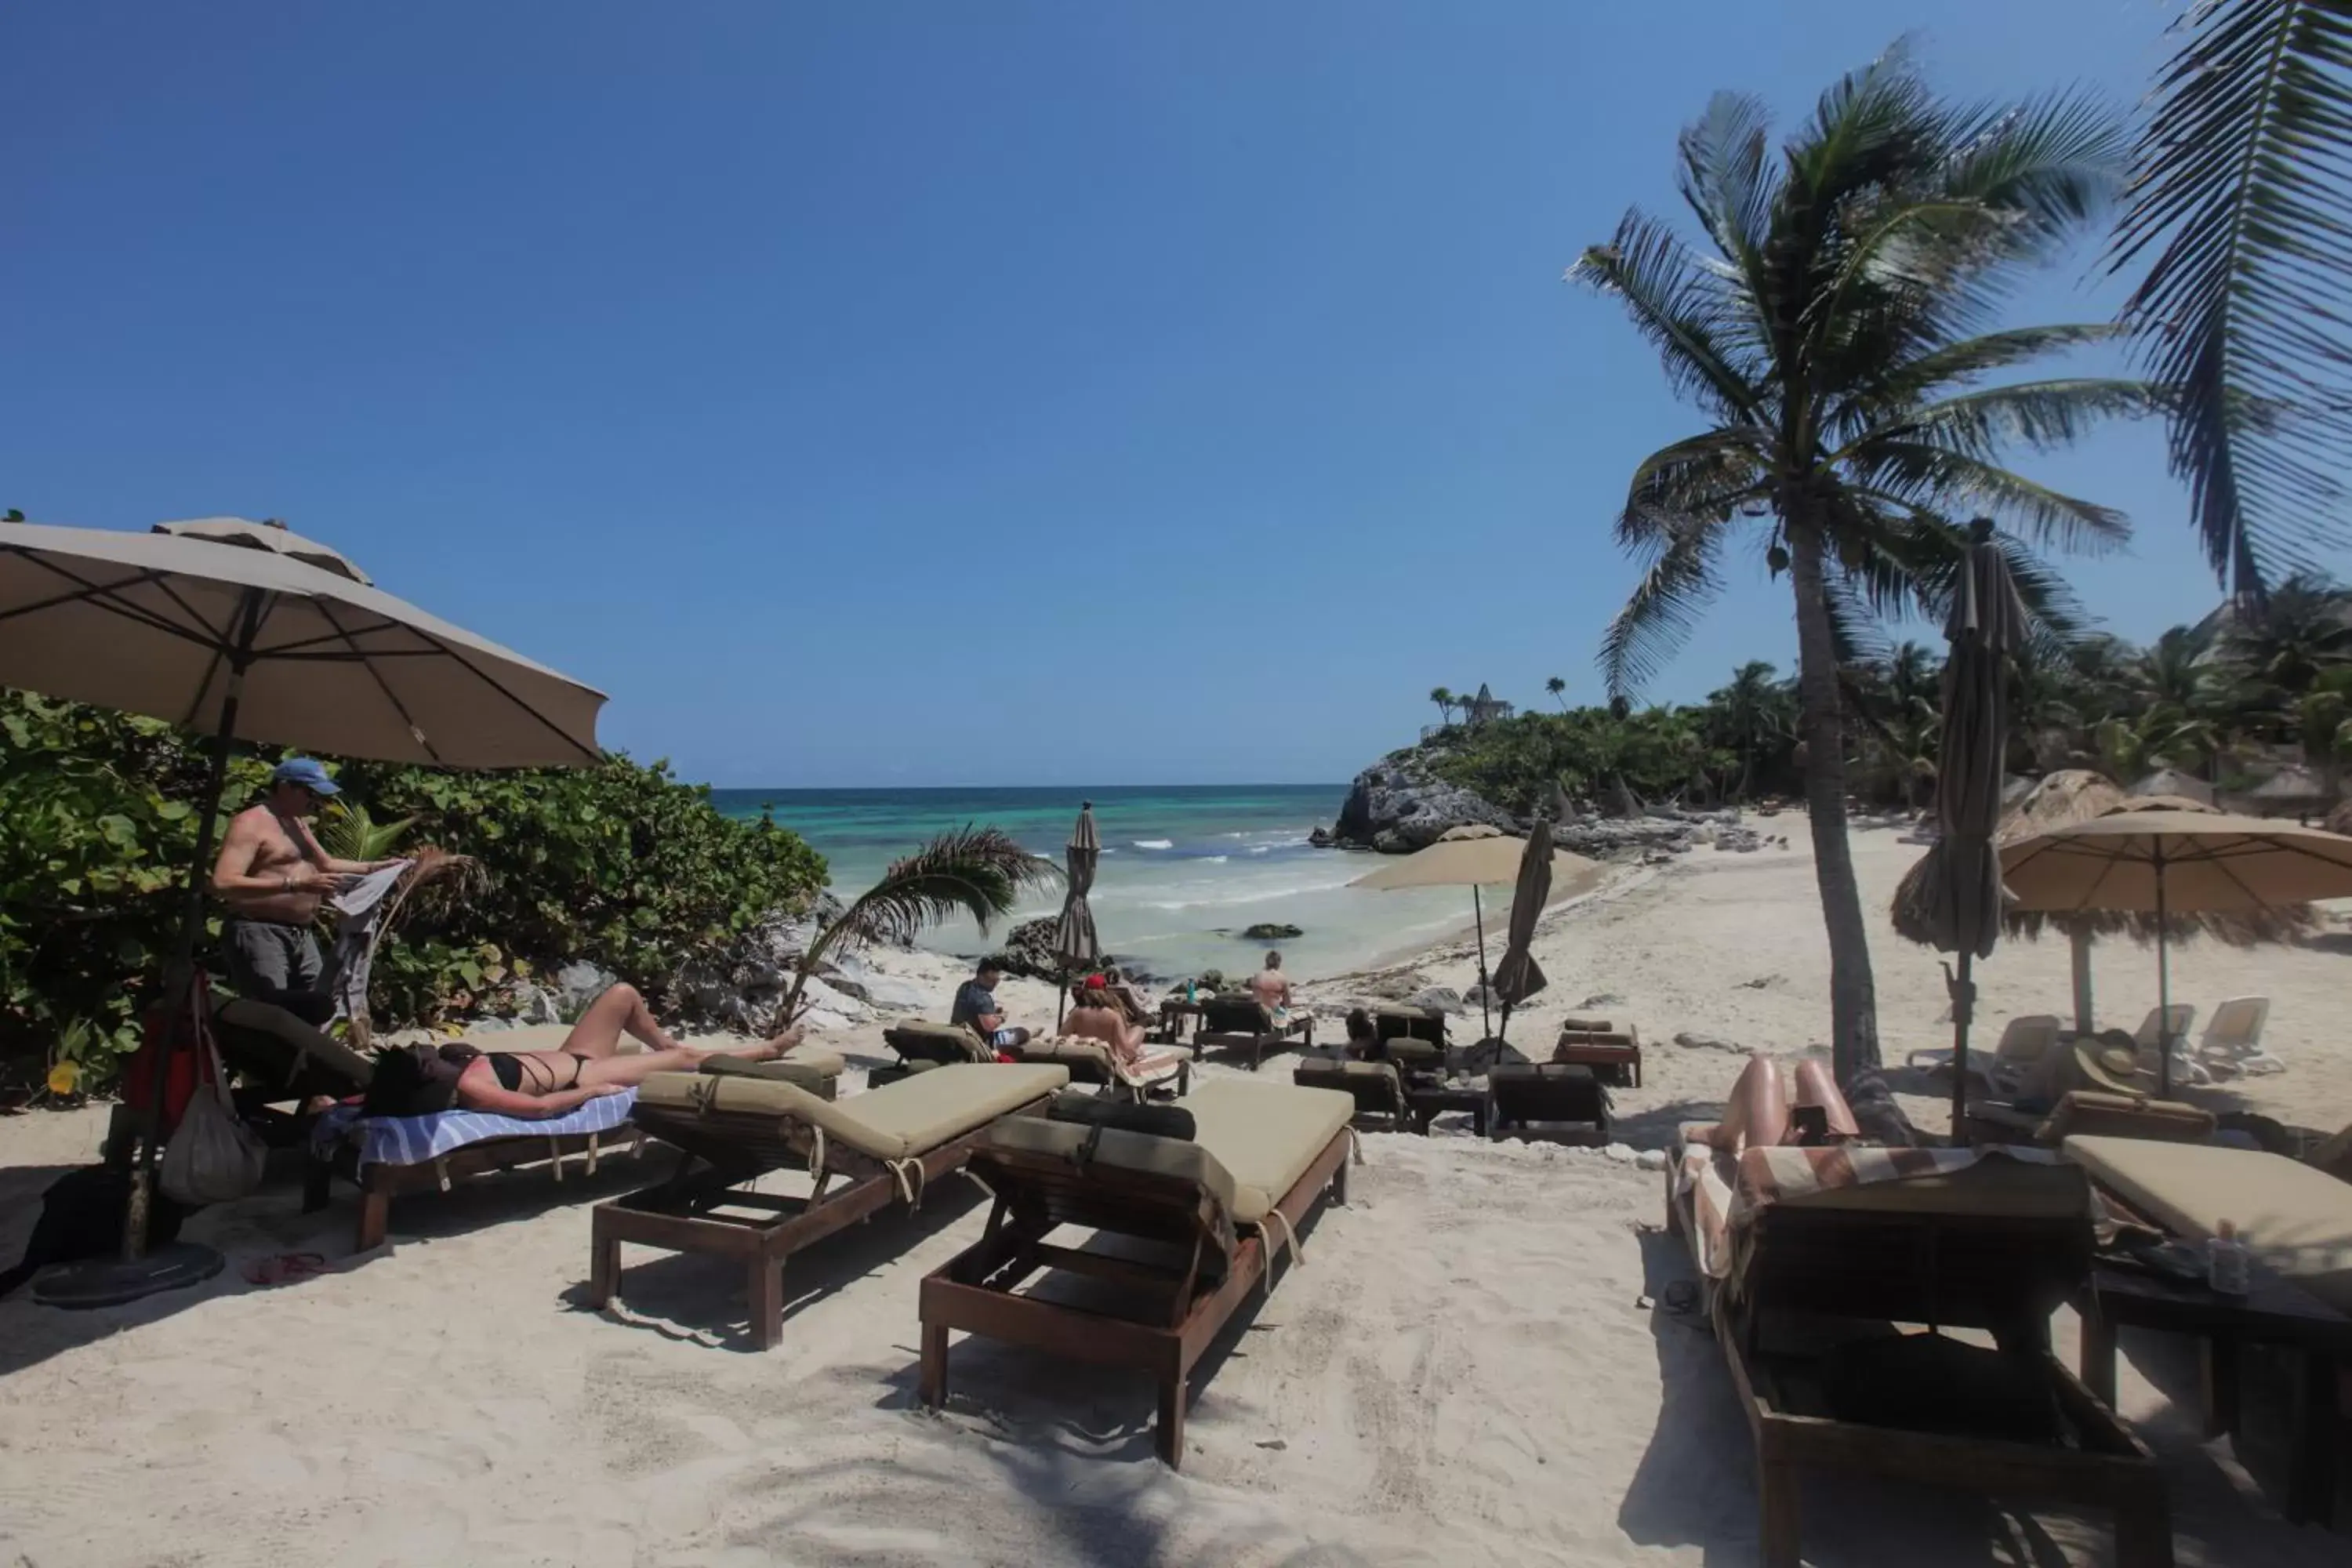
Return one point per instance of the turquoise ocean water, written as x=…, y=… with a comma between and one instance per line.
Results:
x=1184, y=867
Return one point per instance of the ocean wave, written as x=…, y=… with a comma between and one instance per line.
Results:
x=1155, y=844
x=1260, y=848
x=1214, y=859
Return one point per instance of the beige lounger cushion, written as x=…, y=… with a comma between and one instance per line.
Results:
x=245, y=1015
x=1123, y=1151
x=2297, y=1219
x=1265, y=1135
x=1340, y=1071
x=1068, y=1049
x=1252, y=1142
x=910, y=1117
x=816, y=1071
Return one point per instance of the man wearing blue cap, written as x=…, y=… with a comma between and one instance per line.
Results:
x=272, y=875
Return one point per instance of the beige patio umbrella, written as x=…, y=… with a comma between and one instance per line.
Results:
x=1474, y=857
x=2160, y=862
x=226, y=627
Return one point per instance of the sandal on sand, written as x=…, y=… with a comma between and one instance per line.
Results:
x=285, y=1269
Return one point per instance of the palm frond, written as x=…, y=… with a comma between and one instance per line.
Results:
x=1955, y=482
x=1728, y=178
x=976, y=871
x=2242, y=191
x=1686, y=310
x=1932, y=372
x=2042, y=415
x=1677, y=585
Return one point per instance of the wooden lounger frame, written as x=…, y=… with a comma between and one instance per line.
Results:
x=1188, y=1306
x=1948, y=1270
x=719, y=1153
x=380, y=1183
x=1257, y=1044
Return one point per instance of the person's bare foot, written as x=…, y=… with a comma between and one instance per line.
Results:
x=780, y=1044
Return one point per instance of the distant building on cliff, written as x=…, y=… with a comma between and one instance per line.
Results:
x=1485, y=706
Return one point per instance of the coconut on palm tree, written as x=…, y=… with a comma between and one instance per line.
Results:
x=1836, y=330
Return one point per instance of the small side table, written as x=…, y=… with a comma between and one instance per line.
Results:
x=2274, y=1312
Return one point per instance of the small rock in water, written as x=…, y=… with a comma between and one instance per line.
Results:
x=1271, y=930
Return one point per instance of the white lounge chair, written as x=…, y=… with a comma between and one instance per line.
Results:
x=2233, y=1037
x=2169, y=1022
x=2024, y=1041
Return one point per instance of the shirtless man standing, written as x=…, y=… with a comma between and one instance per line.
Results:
x=272, y=876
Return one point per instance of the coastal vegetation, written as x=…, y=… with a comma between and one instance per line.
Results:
x=620, y=865
x=2250, y=696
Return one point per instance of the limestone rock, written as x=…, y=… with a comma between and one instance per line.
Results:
x=1398, y=805
x=1271, y=930
x=579, y=983
x=1652, y=1159
x=1444, y=998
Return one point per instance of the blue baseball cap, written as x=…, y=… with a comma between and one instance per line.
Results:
x=307, y=771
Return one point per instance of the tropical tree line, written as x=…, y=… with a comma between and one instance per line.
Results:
x=1838, y=319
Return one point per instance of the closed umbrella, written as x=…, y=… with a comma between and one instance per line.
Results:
x=1074, y=941
x=1518, y=977
x=2165, y=863
x=225, y=627
x=1476, y=856
x=1963, y=889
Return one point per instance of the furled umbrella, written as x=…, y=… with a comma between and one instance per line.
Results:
x=1963, y=892
x=1518, y=976
x=246, y=632
x=2166, y=863
x=1074, y=941
x=1476, y=856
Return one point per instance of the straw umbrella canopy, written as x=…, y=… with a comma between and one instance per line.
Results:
x=2156, y=861
x=1476, y=856
x=2173, y=783
x=1963, y=874
x=1518, y=976
x=245, y=632
x=2078, y=794
x=1075, y=941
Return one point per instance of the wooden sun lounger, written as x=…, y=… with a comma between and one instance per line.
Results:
x=1239, y=1023
x=1263, y=1154
x=1530, y=1093
x=889, y=1143
x=1996, y=1247
x=1376, y=1086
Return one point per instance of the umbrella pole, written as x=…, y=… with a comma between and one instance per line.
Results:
x=1964, y=1007
x=180, y=975
x=1486, y=1020
x=2163, y=989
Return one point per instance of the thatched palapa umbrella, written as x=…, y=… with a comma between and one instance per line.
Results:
x=2078, y=794
x=1962, y=893
x=1075, y=941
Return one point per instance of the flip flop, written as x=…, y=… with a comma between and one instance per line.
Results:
x=285, y=1269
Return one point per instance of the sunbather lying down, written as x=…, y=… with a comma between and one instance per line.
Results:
x=418, y=1080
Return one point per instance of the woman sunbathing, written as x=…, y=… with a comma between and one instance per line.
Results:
x=418, y=1080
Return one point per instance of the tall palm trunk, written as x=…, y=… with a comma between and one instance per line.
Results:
x=1853, y=998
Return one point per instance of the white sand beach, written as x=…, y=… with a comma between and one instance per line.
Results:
x=1471, y=1366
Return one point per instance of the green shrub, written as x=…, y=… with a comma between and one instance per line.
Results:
x=622, y=865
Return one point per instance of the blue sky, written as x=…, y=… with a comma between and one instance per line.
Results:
x=930, y=393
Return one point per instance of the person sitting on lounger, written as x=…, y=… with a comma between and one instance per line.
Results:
x=1096, y=1016
x=975, y=1007
x=420, y=1079
x=1129, y=997
x=1271, y=986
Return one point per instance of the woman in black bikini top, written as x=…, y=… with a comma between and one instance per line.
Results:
x=548, y=1083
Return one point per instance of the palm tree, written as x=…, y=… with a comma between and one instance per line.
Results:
x=1444, y=699
x=1556, y=686
x=1836, y=340
x=977, y=871
x=1752, y=711
x=2242, y=189
x=2281, y=646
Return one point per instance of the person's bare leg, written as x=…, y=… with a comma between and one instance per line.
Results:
x=619, y=1011
x=630, y=1070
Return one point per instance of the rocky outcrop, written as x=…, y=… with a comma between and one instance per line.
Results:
x=1398, y=806
x=1271, y=930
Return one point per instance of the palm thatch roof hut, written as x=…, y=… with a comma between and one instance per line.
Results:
x=2293, y=791
x=2173, y=782
x=2078, y=794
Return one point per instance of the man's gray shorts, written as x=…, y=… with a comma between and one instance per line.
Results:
x=279, y=963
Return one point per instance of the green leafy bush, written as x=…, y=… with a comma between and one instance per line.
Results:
x=622, y=865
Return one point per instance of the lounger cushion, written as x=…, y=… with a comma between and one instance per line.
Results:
x=1081, y=1055
x=2297, y=1219
x=914, y=1115
x=1094, y=1111
x=1324, y=1072
x=1137, y=1151
x=934, y=1042
x=819, y=1072
x=1266, y=1136
x=1235, y=1015
x=270, y=1042
x=2090, y=1112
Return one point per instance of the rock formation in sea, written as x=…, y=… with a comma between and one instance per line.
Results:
x=1398, y=805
